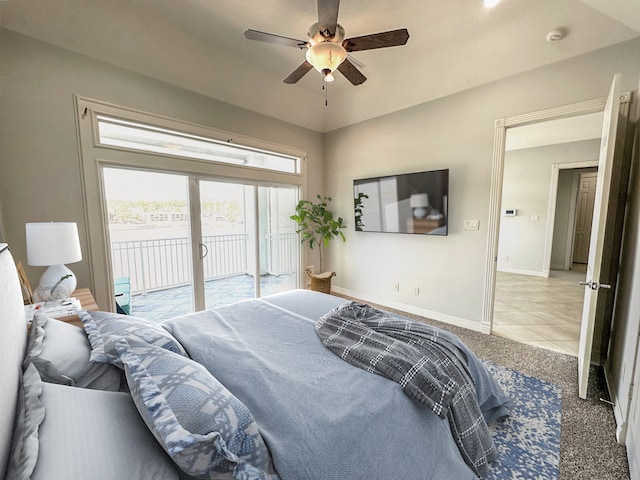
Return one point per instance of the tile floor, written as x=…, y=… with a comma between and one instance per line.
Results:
x=164, y=304
x=544, y=312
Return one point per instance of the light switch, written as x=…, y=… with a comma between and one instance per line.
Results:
x=471, y=224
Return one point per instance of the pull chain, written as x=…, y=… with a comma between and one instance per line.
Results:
x=325, y=87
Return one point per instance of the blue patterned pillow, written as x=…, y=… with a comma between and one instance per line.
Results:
x=104, y=329
x=200, y=424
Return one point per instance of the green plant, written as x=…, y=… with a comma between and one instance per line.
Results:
x=316, y=224
x=357, y=205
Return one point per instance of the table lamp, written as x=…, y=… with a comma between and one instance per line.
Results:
x=419, y=202
x=52, y=244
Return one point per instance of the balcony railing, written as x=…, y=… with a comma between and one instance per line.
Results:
x=166, y=263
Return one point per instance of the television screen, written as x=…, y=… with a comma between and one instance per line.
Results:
x=406, y=203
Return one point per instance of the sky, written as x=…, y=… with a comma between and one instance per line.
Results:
x=127, y=184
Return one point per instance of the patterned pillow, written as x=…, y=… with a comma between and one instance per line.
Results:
x=201, y=425
x=104, y=329
x=61, y=353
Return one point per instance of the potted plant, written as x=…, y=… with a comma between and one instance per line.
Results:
x=318, y=226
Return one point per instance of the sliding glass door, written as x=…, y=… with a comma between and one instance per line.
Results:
x=195, y=215
x=149, y=240
x=248, y=243
x=279, y=242
x=181, y=243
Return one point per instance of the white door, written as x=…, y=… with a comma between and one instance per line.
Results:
x=592, y=284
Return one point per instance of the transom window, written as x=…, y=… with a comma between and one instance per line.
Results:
x=148, y=138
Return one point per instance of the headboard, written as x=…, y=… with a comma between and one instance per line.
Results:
x=13, y=339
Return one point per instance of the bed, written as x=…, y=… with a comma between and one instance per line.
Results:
x=246, y=391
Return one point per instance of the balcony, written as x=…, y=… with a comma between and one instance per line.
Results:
x=160, y=271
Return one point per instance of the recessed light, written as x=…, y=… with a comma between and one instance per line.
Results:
x=490, y=3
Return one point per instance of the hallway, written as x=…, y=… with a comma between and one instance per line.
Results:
x=538, y=311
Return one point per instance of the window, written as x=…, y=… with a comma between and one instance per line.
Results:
x=145, y=147
x=147, y=138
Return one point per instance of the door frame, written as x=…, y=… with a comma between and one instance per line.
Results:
x=93, y=157
x=499, y=139
x=551, y=213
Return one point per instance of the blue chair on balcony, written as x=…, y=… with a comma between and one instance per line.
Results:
x=123, y=295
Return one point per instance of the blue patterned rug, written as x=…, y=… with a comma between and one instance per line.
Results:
x=528, y=442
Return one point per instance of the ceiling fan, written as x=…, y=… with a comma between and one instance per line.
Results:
x=327, y=48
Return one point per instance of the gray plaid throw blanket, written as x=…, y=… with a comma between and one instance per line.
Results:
x=422, y=359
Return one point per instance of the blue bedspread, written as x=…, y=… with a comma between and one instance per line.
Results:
x=321, y=417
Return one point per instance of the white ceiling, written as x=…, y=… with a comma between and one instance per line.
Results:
x=199, y=45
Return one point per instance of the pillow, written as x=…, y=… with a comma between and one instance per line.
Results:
x=201, y=425
x=105, y=329
x=30, y=413
x=85, y=434
x=61, y=352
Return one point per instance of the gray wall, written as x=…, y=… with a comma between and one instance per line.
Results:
x=526, y=187
x=455, y=132
x=40, y=177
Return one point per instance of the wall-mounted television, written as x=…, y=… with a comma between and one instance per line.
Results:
x=406, y=203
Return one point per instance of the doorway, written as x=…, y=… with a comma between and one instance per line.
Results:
x=609, y=209
x=538, y=300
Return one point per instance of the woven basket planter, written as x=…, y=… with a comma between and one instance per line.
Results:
x=321, y=282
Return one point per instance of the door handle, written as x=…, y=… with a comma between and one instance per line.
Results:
x=595, y=285
x=204, y=251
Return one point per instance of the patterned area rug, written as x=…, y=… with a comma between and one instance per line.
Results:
x=528, y=442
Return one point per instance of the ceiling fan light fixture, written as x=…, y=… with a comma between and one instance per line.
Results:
x=326, y=57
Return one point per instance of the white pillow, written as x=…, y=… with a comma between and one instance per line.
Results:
x=67, y=433
x=61, y=352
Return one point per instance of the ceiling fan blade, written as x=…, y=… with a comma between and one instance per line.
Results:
x=298, y=73
x=392, y=38
x=328, y=16
x=352, y=74
x=276, y=39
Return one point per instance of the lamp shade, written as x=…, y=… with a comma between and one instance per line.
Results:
x=52, y=243
x=326, y=57
x=419, y=200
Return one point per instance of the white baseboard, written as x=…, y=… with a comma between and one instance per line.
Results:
x=619, y=415
x=533, y=273
x=634, y=458
x=423, y=312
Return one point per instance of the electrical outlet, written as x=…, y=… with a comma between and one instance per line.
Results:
x=506, y=258
x=396, y=287
x=416, y=290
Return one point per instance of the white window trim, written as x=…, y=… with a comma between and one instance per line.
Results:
x=94, y=156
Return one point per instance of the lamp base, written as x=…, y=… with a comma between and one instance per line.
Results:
x=56, y=283
x=420, y=212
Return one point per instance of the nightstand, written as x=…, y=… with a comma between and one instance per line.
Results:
x=87, y=302
x=424, y=225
